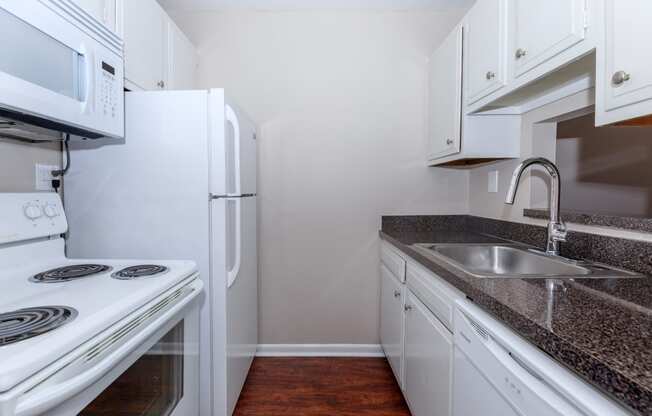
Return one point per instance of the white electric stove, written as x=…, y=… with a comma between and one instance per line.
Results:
x=75, y=334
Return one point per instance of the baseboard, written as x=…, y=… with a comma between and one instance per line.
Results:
x=319, y=350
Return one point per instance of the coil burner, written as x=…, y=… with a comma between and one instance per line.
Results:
x=67, y=273
x=139, y=271
x=27, y=323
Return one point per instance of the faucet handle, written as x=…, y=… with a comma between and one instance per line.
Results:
x=557, y=231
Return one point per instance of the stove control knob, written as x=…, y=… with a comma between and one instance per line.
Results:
x=33, y=211
x=51, y=211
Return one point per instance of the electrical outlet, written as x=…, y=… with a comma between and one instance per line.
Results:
x=43, y=175
x=492, y=182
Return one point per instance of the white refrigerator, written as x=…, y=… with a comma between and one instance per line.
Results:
x=181, y=185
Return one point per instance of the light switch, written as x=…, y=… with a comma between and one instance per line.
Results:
x=492, y=182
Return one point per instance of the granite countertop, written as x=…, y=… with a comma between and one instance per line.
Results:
x=601, y=329
x=593, y=218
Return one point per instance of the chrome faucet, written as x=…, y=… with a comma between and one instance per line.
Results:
x=556, y=227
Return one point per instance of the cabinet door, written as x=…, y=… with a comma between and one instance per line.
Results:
x=542, y=29
x=102, y=10
x=428, y=358
x=625, y=62
x=182, y=60
x=445, y=97
x=144, y=30
x=391, y=321
x=484, y=50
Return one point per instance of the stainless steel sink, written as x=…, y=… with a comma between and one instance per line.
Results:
x=505, y=261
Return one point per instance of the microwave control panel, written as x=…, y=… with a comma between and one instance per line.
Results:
x=110, y=89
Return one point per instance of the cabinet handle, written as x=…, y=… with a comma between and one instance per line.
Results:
x=520, y=53
x=490, y=75
x=161, y=84
x=620, y=77
x=449, y=142
x=407, y=308
x=397, y=293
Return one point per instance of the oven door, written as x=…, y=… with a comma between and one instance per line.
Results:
x=148, y=366
x=161, y=382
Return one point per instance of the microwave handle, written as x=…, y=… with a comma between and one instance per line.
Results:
x=89, y=81
x=40, y=400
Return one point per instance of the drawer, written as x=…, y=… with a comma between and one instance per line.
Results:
x=437, y=295
x=394, y=262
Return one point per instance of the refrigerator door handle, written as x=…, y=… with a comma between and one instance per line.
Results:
x=232, y=118
x=232, y=274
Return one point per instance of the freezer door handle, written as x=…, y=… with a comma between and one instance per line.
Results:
x=236, y=240
x=232, y=119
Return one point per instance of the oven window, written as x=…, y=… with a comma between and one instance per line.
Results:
x=152, y=386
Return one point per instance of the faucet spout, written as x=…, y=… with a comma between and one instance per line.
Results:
x=556, y=228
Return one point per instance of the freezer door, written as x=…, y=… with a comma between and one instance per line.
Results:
x=232, y=148
x=242, y=294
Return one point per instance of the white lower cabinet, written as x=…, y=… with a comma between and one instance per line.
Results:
x=428, y=361
x=415, y=316
x=391, y=320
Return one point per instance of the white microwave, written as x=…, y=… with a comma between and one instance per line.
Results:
x=61, y=73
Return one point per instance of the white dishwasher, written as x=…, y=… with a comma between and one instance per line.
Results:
x=497, y=373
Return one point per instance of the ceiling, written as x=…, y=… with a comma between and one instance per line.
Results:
x=203, y=5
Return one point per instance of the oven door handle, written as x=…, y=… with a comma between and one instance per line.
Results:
x=91, y=365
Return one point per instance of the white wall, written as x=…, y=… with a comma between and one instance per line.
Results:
x=605, y=169
x=17, y=160
x=340, y=100
x=538, y=138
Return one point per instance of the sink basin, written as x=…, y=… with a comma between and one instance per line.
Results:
x=504, y=260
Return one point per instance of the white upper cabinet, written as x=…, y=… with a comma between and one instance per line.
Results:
x=542, y=29
x=454, y=137
x=102, y=10
x=157, y=53
x=144, y=30
x=445, y=97
x=624, y=62
x=484, y=49
x=182, y=62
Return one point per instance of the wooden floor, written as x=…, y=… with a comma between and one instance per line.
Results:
x=321, y=387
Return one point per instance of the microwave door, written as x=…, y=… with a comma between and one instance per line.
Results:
x=58, y=72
